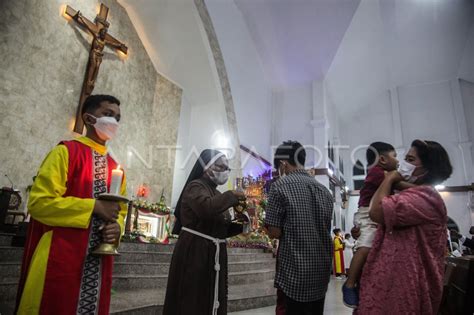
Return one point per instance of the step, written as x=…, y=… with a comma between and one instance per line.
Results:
x=168, y=248
x=136, y=252
x=8, y=291
x=268, y=263
x=133, y=281
x=162, y=257
x=7, y=309
x=146, y=247
x=9, y=271
x=6, y=239
x=251, y=303
x=245, y=250
x=243, y=257
x=140, y=268
x=137, y=302
x=150, y=301
x=143, y=256
x=151, y=268
x=250, y=296
x=241, y=296
x=251, y=276
x=11, y=254
x=153, y=275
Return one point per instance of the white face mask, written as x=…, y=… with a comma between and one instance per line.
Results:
x=106, y=127
x=220, y=178
x=281, y=173
x=406, y=170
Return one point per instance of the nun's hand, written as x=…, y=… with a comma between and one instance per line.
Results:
x=238, y=194
x=242, y=217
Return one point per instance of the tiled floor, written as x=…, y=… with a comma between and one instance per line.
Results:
x=333, y=304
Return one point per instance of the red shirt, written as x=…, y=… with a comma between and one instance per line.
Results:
x=374, y=178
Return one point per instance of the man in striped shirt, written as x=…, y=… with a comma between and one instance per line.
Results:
x=299, y=214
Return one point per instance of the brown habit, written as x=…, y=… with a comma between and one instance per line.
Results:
x=190, y=289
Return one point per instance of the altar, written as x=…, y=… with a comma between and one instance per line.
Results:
x=149, y=222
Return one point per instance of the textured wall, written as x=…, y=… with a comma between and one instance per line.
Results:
x=42, y=68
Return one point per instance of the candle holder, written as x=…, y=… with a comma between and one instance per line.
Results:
x=241, y=208
x=106, y=248
x=128, y=223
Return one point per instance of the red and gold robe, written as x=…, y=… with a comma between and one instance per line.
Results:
x=338, y=255
x=59, y=275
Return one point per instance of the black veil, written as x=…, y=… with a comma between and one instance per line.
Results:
x=198, y=170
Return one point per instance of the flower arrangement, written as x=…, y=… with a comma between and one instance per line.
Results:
x=134, y=236
x=254, y=240
x=157, y=207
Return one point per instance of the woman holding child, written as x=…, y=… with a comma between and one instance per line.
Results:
x=404, y=270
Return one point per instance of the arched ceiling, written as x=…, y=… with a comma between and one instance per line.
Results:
x=297, y=40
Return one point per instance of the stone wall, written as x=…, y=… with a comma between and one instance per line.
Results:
x=42, y=66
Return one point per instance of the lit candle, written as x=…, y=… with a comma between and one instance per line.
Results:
x=116, y=183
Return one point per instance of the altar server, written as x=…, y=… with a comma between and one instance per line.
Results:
x=59, y=273
x=338, y=254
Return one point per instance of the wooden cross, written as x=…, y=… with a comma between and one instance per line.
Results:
x=100, y=38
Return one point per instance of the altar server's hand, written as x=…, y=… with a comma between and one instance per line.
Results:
x=107, y=210
x=111, y=233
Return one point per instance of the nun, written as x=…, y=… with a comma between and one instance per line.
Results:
x=197, y=281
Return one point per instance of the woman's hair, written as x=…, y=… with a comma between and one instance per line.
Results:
x=434, y=159
x=347, y=235
x=336, y=230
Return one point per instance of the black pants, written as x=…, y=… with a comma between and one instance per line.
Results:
x=304, y=308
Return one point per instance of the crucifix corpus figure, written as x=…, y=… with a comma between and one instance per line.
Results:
x=101, y=38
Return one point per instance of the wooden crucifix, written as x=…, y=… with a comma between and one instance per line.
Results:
x=100, y=38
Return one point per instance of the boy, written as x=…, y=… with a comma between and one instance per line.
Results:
x=59, y=273
x=381, y=158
